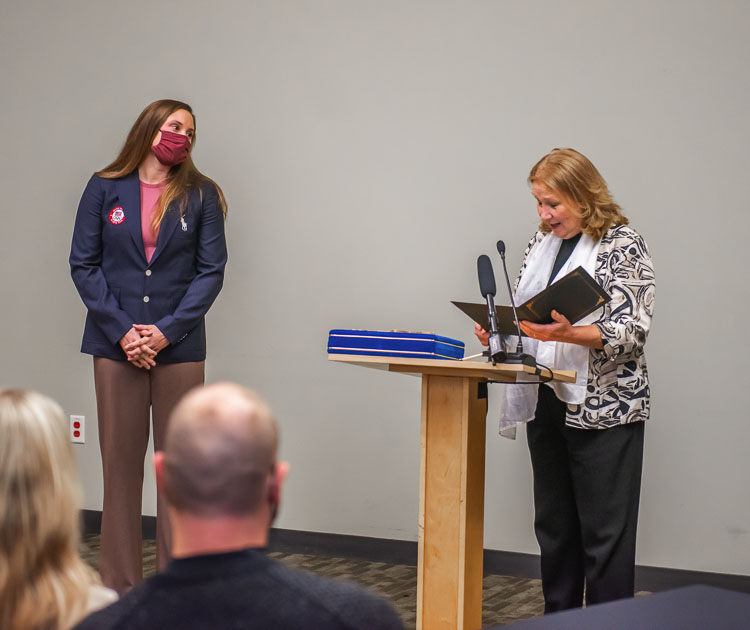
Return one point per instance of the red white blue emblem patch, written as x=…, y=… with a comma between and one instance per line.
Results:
x=117, y=216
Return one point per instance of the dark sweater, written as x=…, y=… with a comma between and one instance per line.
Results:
x=242, y=590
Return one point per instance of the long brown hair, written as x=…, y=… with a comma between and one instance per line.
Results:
x=573, y=175
x=44, y=584
x=182, y=177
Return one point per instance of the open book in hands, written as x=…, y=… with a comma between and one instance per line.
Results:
x=575, y=295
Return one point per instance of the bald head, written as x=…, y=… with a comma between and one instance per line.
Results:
x=220, y=452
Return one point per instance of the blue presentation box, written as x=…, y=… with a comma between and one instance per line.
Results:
x=385, y=343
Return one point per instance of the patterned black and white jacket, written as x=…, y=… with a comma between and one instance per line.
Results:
x=617, y=391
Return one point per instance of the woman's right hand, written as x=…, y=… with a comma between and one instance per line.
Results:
x=482, y=335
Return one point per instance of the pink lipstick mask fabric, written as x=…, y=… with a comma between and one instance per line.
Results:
x=172, y=149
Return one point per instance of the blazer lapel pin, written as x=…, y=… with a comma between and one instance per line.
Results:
x=117, y=215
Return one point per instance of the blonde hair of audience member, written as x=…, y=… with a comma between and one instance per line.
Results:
x=573, y=175
x=218, y=471
x=44, y=584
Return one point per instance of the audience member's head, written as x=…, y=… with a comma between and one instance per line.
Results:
x=219, y=463
x=43, y=581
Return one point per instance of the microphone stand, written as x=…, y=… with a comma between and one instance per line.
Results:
x=519, y=356
x=495, y=352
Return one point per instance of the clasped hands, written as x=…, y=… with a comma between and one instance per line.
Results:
x=142, y=343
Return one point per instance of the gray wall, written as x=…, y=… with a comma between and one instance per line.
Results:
x=369, y=152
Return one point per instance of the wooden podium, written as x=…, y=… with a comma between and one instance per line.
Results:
x=451, y=482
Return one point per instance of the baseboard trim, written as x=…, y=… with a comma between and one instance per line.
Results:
x=525, y=565
x=657, y=579
x=343, y=546
x=91, y=523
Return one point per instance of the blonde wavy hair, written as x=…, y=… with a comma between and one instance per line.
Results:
x=571, y=174
x=44, y=584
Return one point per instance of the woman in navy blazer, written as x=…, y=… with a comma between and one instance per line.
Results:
x=147, y=258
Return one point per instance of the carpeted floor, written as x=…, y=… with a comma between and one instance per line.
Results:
x=505, y=599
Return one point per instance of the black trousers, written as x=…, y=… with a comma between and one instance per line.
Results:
x=587, y=487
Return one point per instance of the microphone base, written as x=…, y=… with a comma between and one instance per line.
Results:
x=521, y=358
x=497, y=357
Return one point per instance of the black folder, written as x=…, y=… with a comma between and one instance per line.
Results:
x=575, y=295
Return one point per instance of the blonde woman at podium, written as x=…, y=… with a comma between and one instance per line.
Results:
x=585, y=438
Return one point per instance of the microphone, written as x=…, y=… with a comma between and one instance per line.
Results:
x=487, y=287
x=518, y=356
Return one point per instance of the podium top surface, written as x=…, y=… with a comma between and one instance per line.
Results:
x=482, y=370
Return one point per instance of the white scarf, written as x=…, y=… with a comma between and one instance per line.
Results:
x=518, y=402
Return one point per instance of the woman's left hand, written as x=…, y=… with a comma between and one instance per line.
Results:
x=560, y=330
x=156, y=340
x=563, y=330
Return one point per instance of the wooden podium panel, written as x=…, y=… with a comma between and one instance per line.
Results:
x=451, y=505
x=451, y=482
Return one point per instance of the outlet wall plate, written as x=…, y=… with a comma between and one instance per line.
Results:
x=78, y=429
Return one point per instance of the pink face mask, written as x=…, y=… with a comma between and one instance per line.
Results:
x=172, y=149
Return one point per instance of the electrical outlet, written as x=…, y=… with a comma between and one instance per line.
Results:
x=78, y=429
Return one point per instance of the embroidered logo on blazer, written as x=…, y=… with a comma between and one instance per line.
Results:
x=117, y=216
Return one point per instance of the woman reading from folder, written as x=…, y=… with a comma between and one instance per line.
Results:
x=585, y=438
x=147, y=258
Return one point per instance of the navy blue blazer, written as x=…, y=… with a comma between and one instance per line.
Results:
x=120, y=288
